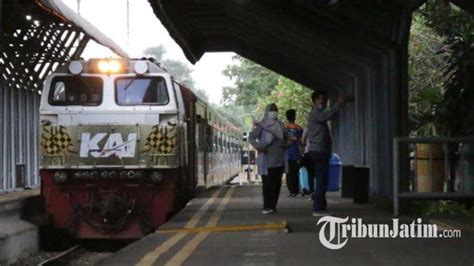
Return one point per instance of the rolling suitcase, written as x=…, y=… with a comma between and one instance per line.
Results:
x=303, y=181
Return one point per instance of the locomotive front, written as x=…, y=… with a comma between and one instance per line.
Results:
x=110, y=147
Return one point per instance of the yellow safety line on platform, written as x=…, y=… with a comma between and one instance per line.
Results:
x=180, y=257
x=232, y=228
x=153, y=255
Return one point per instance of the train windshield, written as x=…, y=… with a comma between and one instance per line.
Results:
x=75, y=90
x=141, y=91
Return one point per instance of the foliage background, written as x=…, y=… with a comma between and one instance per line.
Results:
x=441, y=77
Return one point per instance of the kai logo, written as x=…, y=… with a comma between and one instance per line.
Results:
x=114, y=145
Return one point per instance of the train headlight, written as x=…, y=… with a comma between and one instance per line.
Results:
x=115, y=66
x=103, y=66
x=140, y=67
x=76, y=67
x=60, y=177
x=109, y=66
x=157, y=177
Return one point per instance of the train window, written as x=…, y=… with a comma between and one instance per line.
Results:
x=75, y=90
x=141, y=91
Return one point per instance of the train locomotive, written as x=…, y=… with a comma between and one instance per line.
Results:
x=122, y=143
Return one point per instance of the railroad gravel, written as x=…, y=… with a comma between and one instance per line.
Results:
x=84, y=258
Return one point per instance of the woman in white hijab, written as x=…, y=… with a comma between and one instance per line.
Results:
x=269, y=138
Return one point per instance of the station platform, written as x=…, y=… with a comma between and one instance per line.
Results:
x=225, y=226
x=19, y=212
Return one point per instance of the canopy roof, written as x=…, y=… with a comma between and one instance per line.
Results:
x=59, y=9
x=359, y=47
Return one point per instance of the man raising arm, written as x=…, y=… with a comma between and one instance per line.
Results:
x=319, y=138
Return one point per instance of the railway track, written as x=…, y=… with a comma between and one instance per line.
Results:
x=83, y=254
x=64, y=257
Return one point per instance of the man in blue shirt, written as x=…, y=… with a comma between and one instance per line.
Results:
x=293, y=152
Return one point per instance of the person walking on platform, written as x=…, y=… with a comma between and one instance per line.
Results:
x=269, y=138
x=320, y=149
x=293, y=152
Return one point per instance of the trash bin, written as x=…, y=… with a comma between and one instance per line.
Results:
x=361, y=184
x=347, y=183
x=335, y=166
x=465, y=177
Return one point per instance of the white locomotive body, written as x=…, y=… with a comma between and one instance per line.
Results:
x=120, y=141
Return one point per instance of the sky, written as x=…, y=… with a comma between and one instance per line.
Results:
x=147, y=31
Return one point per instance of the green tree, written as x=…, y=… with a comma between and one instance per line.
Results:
x=256, y=86
x=289, y=95
x=455, y=110
x=425, y=77
x=251, y=82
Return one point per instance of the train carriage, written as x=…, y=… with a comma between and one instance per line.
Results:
x=121, y=142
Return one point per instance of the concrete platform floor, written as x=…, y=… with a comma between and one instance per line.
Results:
x=18, y=236
x=238, y=207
